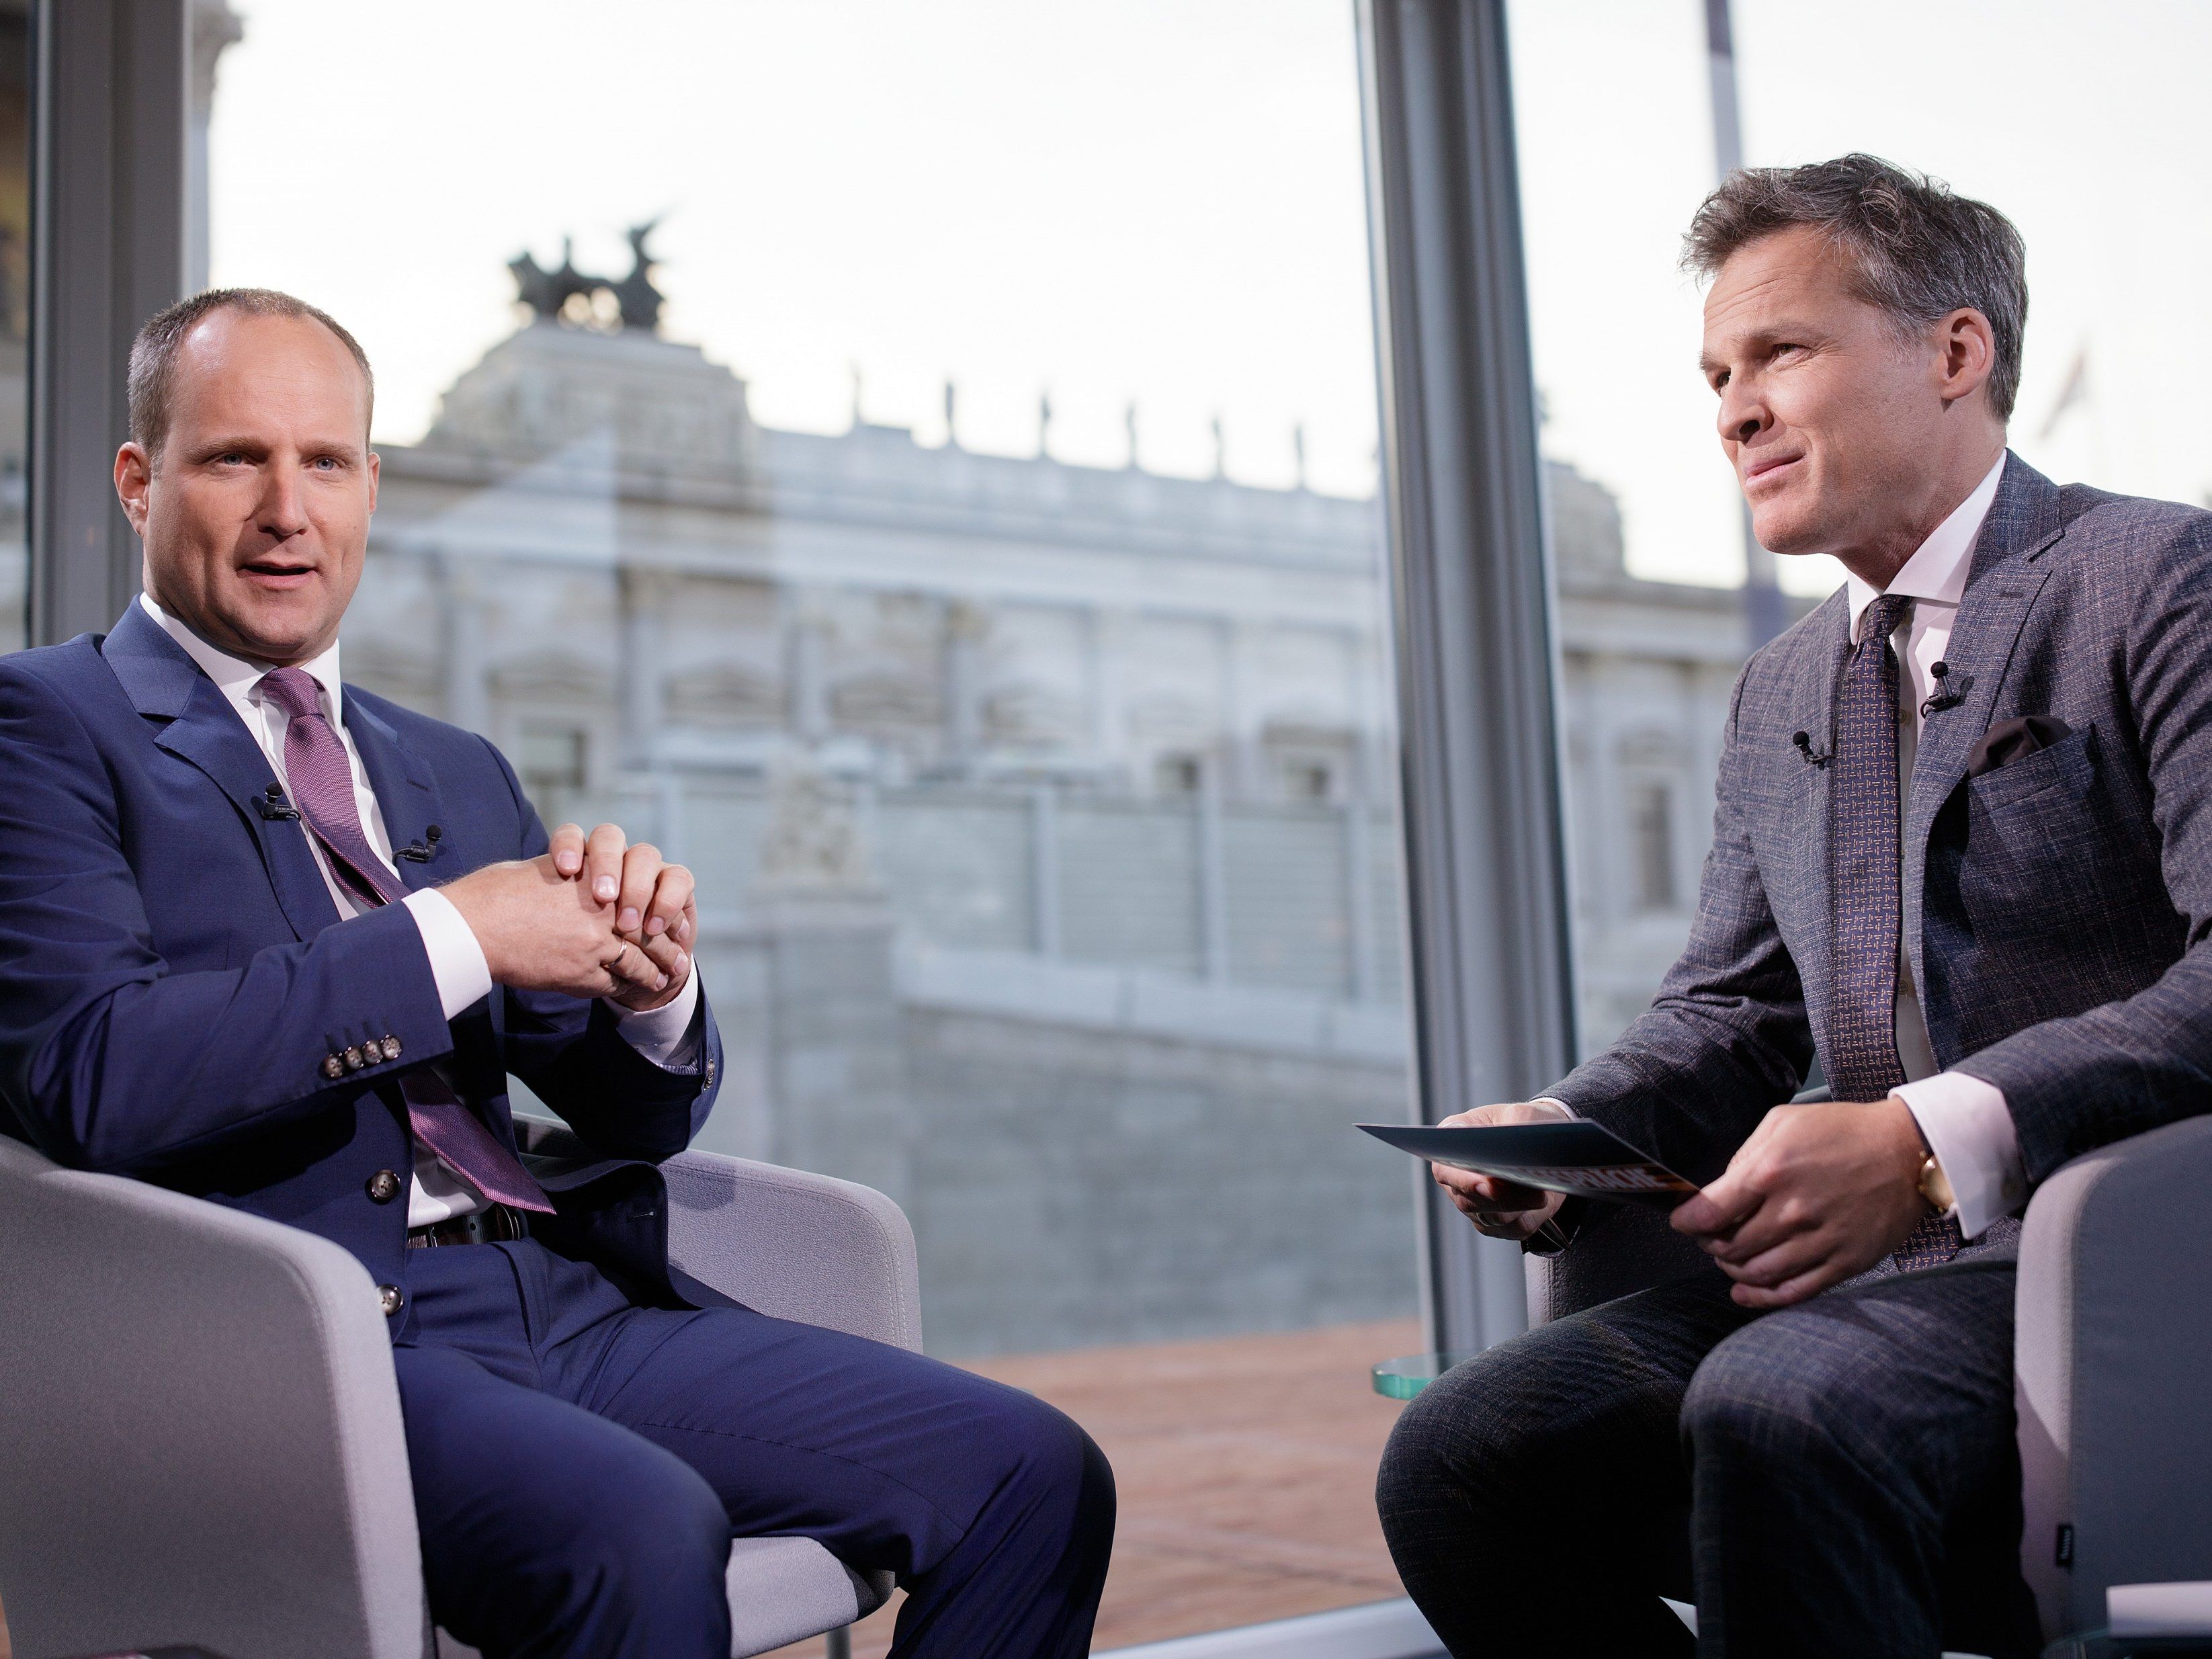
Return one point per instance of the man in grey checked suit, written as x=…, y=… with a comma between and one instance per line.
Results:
x=1962, y=853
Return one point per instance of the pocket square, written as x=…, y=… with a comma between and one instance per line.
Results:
x=2016, y=740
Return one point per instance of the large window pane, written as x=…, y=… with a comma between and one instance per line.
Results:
x=1614, y=102
x=973, y=569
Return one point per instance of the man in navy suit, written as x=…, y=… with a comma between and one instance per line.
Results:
x=272, y=941
x=1962, y=853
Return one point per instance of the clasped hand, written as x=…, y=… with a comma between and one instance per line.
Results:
x=591, y=916
x=1819, y=1193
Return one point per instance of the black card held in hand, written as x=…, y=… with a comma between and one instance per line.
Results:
x=1574, y=1156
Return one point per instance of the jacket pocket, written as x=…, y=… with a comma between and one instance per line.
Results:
x=2069, y=765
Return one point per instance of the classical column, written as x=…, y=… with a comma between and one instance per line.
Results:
x=1213, y=873
x=644, y=600
x=806, y=668
x=465, y=673
x=1105, y=638
x=965, y=625
x=1239, y=744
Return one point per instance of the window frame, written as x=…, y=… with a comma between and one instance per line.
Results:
x=1489, y=928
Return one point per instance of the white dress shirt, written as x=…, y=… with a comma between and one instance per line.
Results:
x=457, y=961
x=1964, y=1120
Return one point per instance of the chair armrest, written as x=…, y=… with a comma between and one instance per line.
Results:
x=788, y=1243
x=204, y=1443
x=2112, y=1342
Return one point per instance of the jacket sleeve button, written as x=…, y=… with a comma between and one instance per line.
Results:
x=391, y=1298
x=384, y=1186
x=391, y=1047
x=354, y=1059
x=333, y=1067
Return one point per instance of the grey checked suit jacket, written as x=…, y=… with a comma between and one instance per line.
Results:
x=2056, y=909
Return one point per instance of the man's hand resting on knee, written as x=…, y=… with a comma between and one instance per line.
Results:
x=592, y=917
x=1820, y=1192
x=1501, y=1209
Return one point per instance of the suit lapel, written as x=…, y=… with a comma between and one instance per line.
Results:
x=406, y=793
x=2001, y=587
x=199, y=727
x=1810, y=698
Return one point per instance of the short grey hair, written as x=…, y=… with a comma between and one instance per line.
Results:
x=1917, y=251
x=151, y=383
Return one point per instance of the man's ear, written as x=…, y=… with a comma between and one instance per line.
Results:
x=134, y=481
x=1967, y=353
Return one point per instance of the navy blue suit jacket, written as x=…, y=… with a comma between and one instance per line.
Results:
x=173, y=973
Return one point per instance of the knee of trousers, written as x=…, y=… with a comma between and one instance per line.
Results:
x=1052, y=1466
x=654, y=1533
x=1765, y=1394
x=1473, y=1433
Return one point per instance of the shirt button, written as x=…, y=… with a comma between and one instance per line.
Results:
x=391, y=1298
x=384, y=1186
x=333, y=1067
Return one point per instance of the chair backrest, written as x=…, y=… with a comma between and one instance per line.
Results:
x=204, y=1442
x=2112, y=1345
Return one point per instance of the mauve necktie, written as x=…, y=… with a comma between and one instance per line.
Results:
x=1864, y=867
x=322, y=789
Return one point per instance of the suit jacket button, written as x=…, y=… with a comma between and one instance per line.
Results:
x=384, y=1186
x=333, y=1066
x=391, y=1298
x=354, y=1059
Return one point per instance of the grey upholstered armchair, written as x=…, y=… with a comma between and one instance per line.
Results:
x=203, y=1441
x=2112, y=1353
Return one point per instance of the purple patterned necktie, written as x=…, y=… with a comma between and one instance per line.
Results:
x=1864, y=875
x=322, y=789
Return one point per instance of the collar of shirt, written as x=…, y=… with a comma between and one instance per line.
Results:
x=237, y=677
x=1936, y=572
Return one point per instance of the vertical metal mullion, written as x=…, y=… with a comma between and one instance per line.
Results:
x=108, y=155
x=1492, y=986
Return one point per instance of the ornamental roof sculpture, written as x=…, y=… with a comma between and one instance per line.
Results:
x=567, y=295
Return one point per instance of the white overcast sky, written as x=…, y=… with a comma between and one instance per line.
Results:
x=1161, y=200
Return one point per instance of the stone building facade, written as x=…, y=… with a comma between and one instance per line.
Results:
x=1044, y=814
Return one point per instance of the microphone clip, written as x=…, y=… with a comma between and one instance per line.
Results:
x=272, y=804
x=1946, y=694
x=1804, y=742
x=421, y=850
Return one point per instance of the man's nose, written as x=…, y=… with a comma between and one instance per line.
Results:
x=283, y=512
x=1743, y=414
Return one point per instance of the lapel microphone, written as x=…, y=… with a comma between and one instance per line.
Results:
x=272, y=804
x=419, y=850
x=1804, y=742
x=1945, y=697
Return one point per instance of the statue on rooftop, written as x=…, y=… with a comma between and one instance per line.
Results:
x=640, y=301
x=548, y=294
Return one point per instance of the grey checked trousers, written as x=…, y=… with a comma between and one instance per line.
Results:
x=1839, y=1478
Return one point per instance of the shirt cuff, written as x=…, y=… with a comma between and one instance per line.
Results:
x=457, y=961
x=1553, y=1100
x=660, y=1034
x=1968, y=1128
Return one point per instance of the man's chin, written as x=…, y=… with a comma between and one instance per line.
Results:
x=277, y=633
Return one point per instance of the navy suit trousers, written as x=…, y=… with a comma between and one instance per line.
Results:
x=1835, y=1481
x=580, y=1465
